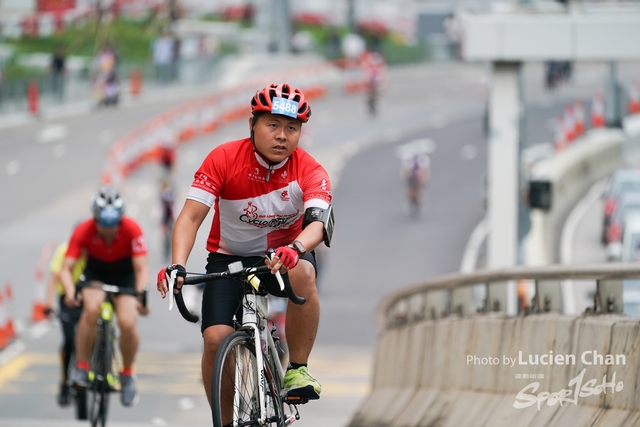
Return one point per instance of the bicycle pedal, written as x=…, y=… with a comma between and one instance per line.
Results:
x=295, y=400
x=299, y=396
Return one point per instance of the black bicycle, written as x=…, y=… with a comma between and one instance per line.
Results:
x=103, y=366
x=247, y=375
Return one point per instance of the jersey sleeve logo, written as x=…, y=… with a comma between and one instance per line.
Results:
x=202, y=181
x=138, y=245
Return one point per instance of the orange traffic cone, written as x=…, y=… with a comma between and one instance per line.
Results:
x=559, y=141
x=634, y=97
x=568, y=124
x=38, y=312
x=136, y=82
x=597, y=110
x=578, y=114
x=11, y=330
x=4, y=337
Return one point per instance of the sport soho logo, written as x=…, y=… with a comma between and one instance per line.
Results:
x=578, y=387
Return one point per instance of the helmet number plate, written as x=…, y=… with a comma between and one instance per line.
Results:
x=285, y=107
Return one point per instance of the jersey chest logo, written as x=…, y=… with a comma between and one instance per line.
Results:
x=252, y=215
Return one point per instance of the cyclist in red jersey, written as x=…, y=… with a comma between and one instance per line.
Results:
x=266, y=192
x=116, y=254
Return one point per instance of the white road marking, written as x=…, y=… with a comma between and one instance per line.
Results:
x=186, y=403
x=13, y=167
x=470, y=257
x=469, y=152
x=52, y=133
x=9, y=353
x=39, y=330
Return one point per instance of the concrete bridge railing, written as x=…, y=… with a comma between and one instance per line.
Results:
x=442, y=361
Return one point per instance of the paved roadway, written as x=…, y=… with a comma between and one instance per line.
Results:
x=376, y=246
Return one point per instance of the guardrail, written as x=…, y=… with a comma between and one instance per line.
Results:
x=570, y=174
x=442, y=359
x=451, y=294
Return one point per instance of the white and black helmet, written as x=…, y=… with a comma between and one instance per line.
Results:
x=107, y=206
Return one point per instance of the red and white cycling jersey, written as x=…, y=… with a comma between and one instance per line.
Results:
x=252, y=214
x=129, y=242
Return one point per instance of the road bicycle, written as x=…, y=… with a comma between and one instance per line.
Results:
x=247, y=375
x=103, y=364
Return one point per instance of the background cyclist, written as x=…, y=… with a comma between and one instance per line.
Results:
x=265, y=192
x=374, y=69
x=116, y=254
x=167, y=218
x=415, y=168
x=68, y=316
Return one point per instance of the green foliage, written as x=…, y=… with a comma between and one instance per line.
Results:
x=394, y=50
x=13, y=71
x=400, y=53
x=130, y=38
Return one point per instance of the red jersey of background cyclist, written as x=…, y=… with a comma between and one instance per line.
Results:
x=115, y=257
x=252, y=214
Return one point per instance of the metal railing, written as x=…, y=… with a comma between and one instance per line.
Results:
x=453, y=295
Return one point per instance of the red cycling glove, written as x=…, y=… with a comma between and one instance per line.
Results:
x=181, y=272
x=288, y=256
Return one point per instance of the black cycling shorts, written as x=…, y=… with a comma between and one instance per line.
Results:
x=221, y=299
x=117, y=278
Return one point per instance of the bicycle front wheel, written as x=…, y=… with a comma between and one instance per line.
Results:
x=236, y=390
x=100, y=368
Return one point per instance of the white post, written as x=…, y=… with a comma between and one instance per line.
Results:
x=262, y=21
x=503, y=174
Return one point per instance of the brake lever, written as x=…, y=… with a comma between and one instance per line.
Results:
x=270, y=254
x=171, y=280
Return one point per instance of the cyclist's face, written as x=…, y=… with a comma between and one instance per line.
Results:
x=276, y=136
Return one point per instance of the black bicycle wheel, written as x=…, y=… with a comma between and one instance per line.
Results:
x=80, y=396
x=100, y=367
x=235, y=390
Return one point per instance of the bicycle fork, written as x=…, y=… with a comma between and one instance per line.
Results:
x=250, y=319
x=253, y=306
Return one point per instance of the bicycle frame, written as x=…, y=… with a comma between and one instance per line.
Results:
x=254, y=319
x=105, y=321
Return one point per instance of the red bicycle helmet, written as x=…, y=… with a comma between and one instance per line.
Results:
x=263, y=101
